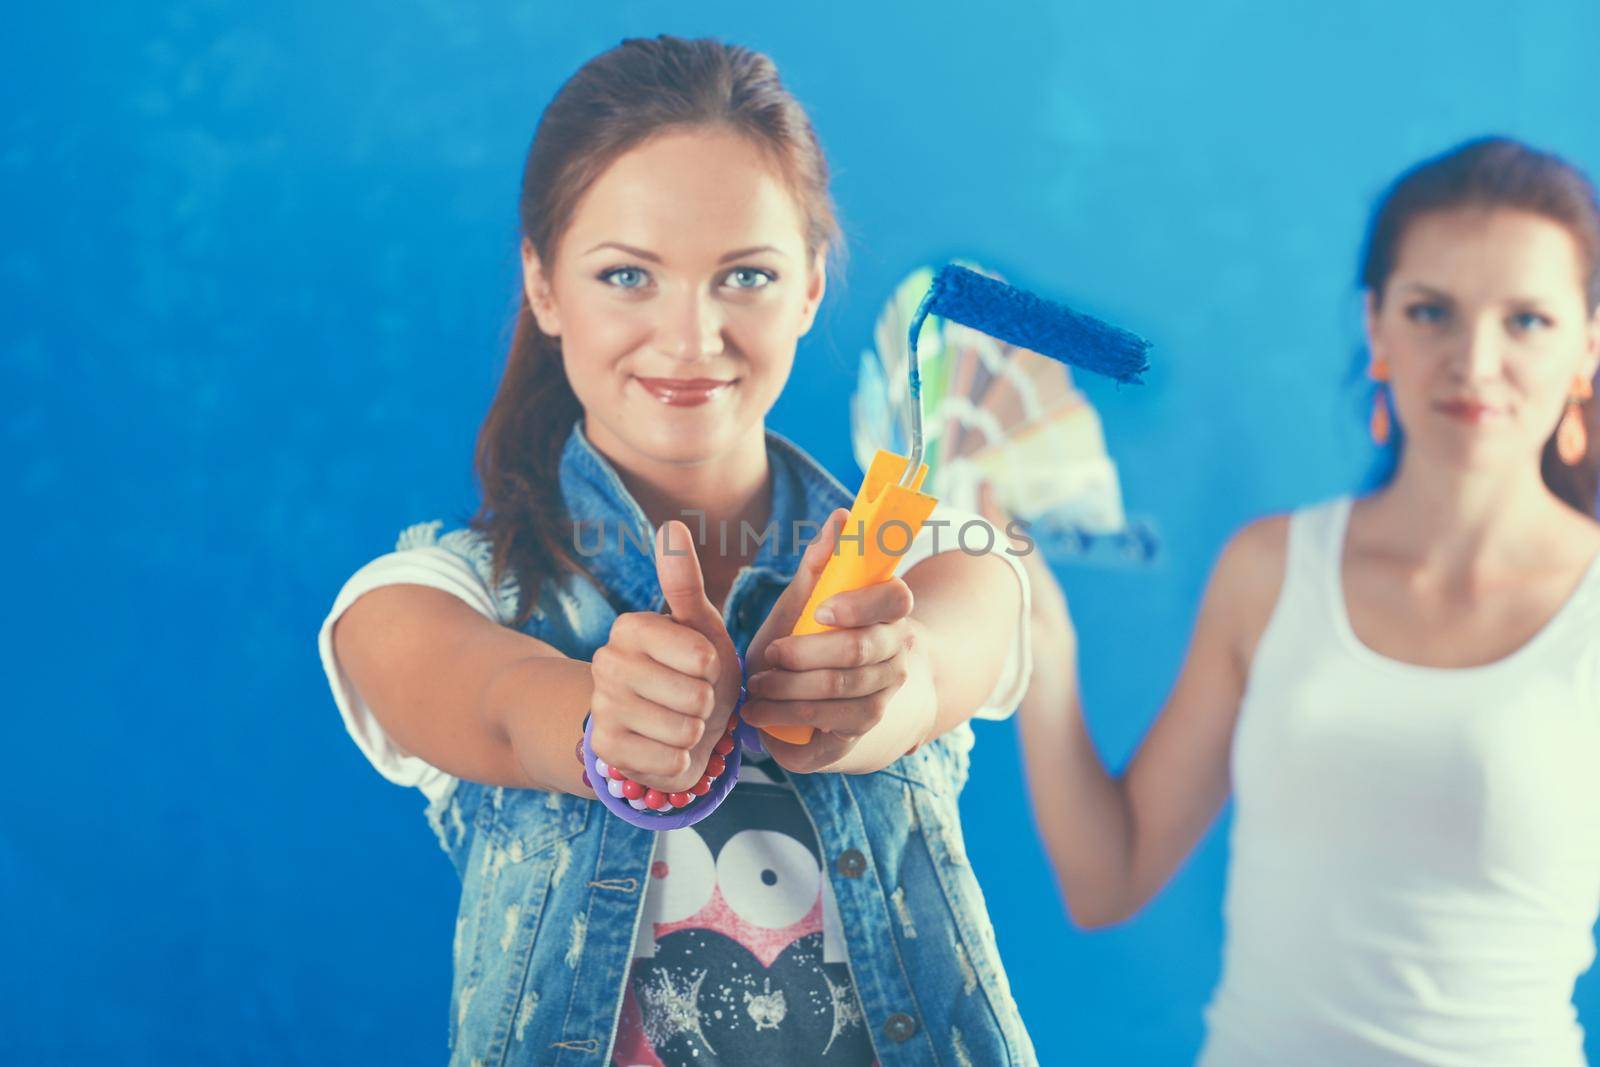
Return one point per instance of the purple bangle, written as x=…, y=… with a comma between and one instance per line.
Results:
x=747, y=736
x=696, y=809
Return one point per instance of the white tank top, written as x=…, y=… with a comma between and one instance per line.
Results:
x=1415, y=861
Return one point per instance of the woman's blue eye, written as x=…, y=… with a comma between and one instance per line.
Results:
x=749, y=278
x=1524, y=321
x=625, y=277
x=1427, y=313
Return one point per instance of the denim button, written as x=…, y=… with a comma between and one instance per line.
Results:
x=852, y=864
x=899, y=1026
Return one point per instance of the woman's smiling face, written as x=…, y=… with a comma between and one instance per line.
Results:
x=679, y=291
x=1484, y=327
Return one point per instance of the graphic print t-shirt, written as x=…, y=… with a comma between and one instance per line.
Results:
x=740, y=955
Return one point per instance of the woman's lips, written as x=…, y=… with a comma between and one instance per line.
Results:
x=683, y=392
x=1468, y=411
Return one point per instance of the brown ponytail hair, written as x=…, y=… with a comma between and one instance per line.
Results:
x=613, y=103
x=1498, y=172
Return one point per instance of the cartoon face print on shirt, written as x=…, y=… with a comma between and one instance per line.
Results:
x=740, y=955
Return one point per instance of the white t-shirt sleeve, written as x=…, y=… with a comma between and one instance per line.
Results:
x=421, y=558
x=952, y=529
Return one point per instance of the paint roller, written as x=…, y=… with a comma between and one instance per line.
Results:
x=890, y=507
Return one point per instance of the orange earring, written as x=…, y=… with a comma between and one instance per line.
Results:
x=1572, y=440
x=1379, y=423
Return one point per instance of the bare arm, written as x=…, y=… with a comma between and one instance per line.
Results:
x=451, y=687
x=484, y=702
x=1116, y=840
x=964, y=618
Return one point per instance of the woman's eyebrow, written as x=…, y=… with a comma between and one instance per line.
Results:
x=651, y=257
x=1515, y=300
x=742, y=252
x=1427, y=289
x=629, y=249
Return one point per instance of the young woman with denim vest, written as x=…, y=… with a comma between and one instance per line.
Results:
x=1401, y=691
x=676, y=229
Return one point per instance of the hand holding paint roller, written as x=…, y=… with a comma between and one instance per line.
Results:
x=889, y=509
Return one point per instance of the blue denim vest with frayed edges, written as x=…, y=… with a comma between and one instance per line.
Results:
x=552, y=885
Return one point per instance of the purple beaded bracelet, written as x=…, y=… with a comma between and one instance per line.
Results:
x=673, y=817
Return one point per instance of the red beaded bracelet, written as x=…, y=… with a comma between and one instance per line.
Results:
x=642, y=798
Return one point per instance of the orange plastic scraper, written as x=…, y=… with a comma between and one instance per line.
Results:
x=883, y=520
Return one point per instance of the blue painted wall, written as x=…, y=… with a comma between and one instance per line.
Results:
x=257, y=263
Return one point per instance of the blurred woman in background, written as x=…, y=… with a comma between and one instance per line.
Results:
x=1402, y=691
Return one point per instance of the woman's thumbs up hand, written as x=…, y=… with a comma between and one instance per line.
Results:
x=665, y=685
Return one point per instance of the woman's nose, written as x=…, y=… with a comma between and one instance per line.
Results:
x=1481, y=352
x=690, y=328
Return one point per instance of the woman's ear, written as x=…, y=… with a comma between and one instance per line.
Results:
x=816, y=288
x=1591, y=352
x=536, y=287
x=1370, y=324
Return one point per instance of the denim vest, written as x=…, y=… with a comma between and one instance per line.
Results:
x=552, y=885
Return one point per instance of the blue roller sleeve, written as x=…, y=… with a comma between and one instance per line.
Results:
x=1020, y=318
x=700, y=807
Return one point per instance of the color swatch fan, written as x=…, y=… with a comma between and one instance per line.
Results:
x=997, y=413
